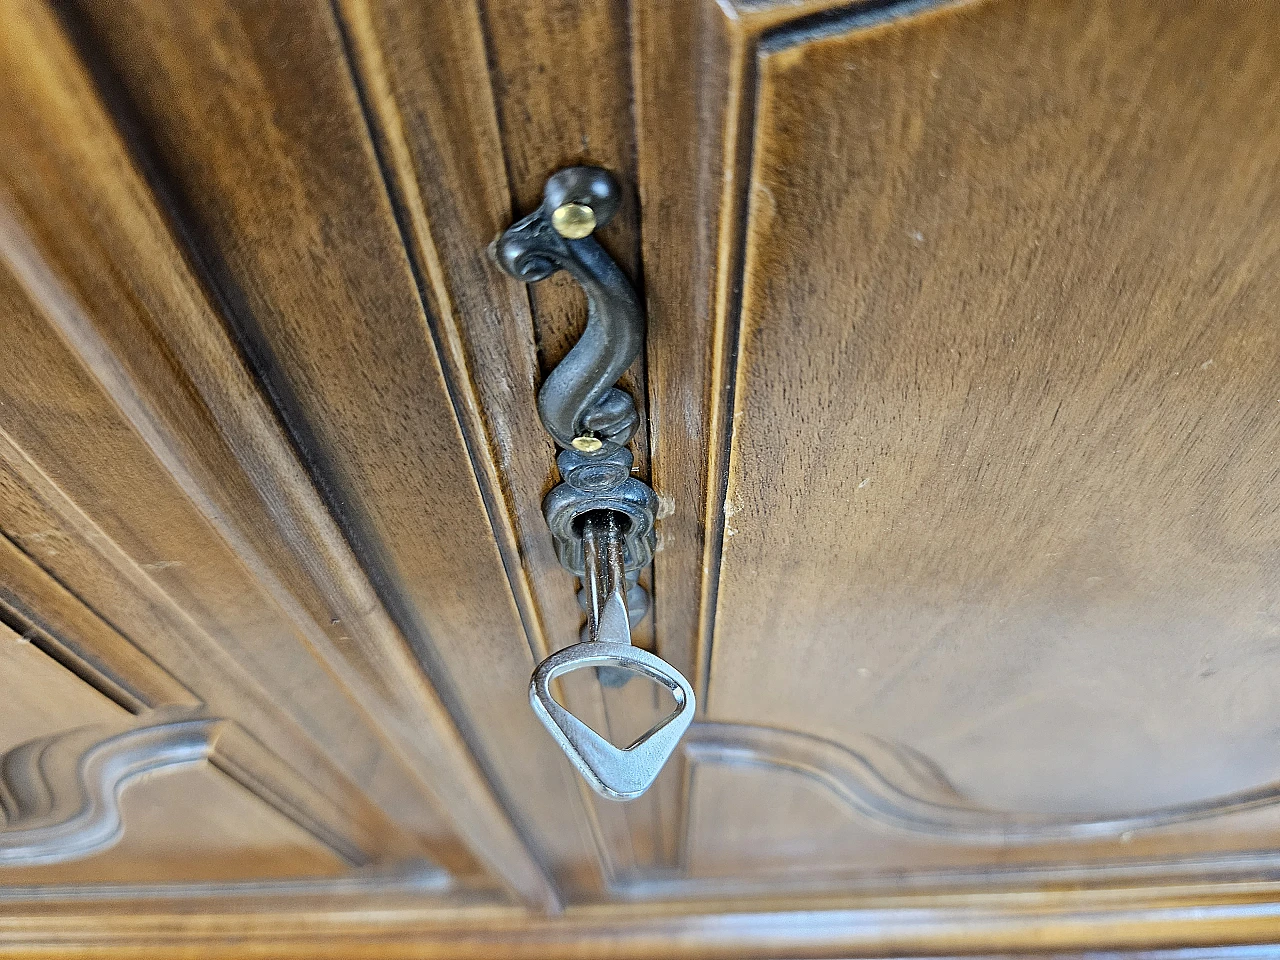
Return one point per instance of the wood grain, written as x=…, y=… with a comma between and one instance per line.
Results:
x=76, y=551
x=104, y=802
x=46, y=614
x=960, y=387
x=561, y=85
x=240, y=594
x=1000, y=482
x=449, y=128
x=1206, y=922
x=561, y=80
x=320, y=262
x=237, y=835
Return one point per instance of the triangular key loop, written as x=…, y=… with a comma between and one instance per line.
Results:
x=620, y=774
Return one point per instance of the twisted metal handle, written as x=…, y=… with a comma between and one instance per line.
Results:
x=580, y=406
x=578, y=397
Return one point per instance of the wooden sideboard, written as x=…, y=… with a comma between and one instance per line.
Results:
x=960, y=395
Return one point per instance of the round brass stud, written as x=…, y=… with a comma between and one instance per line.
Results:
x=586, y=444
x=573, y=221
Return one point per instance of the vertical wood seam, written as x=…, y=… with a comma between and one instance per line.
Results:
x=427, y=273
x=735, y=182
x=398, y=171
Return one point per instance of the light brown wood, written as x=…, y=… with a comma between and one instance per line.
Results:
x=1002, y=404
x=193, y=824
x=236, y=602
x=960, y=401
x=39, y=609
x=1203, y=922
x=425, y=77
x=40, y=698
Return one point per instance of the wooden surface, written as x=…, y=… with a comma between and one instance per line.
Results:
x=961, y=403
x=193, y=825
x=425, y=77
x=1192, y=923
x=177, y=478
x=1003, y=408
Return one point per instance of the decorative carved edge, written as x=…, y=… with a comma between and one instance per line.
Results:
x=895, y=787
x=61, y=793
x=355, y=825
x=1199, y=920
x=891, y=786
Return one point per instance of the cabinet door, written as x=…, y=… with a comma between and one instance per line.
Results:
x=234, y=491
x=961, y=396
x=985, y=585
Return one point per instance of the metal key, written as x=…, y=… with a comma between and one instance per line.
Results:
x=614, y=772
x=601, y=517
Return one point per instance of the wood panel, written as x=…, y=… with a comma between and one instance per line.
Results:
x=197, y=823
x=774, y=810
x=69, y=545
x=208, y=545
x=283, y=200
x=999, y=398
x=44, y=613
x=1199, y=922
x=687, y=62
x=561, y=81
x=193, y=825
x=40, y=698
x=960, y=383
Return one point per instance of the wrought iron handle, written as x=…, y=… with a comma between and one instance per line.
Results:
x=578, y=398
x=600, y=517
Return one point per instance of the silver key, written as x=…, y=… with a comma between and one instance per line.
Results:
x=614, y=772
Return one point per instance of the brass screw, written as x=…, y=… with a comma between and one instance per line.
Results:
x=586, y=444
x=573, y=221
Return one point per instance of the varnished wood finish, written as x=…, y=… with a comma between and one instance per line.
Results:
x=960, y=400
x=191, y=814
x=171, y=471
x=422, y=73
x=376, y=419
x=1195, y=923
x=550, y=118
x=1001, y=407
x=44, y=613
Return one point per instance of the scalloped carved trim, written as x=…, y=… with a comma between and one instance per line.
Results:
x=898, y=788
x=61, y=794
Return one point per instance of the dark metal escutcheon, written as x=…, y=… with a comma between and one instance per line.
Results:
x=578, y=396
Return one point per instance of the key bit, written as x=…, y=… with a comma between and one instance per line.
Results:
x=605, y=578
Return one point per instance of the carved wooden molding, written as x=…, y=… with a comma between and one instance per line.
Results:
x=896, y=787
x=1200, y=920
x=61, y=793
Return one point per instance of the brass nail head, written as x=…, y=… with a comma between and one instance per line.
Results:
x=573, y=221
x=586, y=444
